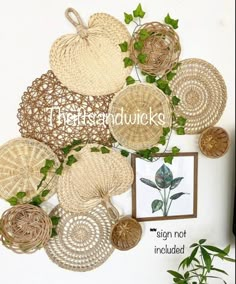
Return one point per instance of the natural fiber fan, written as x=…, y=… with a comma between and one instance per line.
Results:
x=202, y=94
x=137, y=116
x=50, y=113
x=95, y=178
x=20, y=163
x=25, y=228
x=83, y=240
x=90, y=62
x=161, y=45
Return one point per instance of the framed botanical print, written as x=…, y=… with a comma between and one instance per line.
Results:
x=164, y=191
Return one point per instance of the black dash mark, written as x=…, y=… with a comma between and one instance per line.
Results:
x=153, y=230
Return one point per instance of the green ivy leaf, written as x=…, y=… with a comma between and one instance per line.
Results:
x=95, y=149
x=105, y=150
x=76, y=142
x=175, y=100
x=150, y=79
x=124, y=153
x=128, y=62
x=157, y=205
x=54, y=233
x=124, y=46
x=175, y=274
x=175, y=150
x=130, y=80
x=71, y=160
x=138, y=45
x=180, y=131
x=171, y=22
x=170, y=76
x=166, y=131
x=21, y=195
x=169, y=159
x=167, y=90
x=45, y=193
x=162, y=140
x=37, y=200
x=146, y=154
x=142, y=58
x=162, y=84
x=176, y=66
x=155, y=150
x=78, y=149
x=66, y=150
x=55, y=220
x=181, y=121
x=13, y=201
x=139, y=12
x=128, y=18
x=144, y=34
x=49, y=164
x=59, y=170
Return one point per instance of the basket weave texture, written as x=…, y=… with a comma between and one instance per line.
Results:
x=91, y=62
x=214, y=142
x=162, y=48
x=202, y=92
x=25, y=228
x=49, y=113
x=20, y=162
x=133, y=100
x=83, y=240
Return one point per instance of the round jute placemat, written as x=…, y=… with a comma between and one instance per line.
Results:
x=20, y=162
x=91, y=62
x=138, y=114
x=202, y=93
x=83, y=240
x=52, y=114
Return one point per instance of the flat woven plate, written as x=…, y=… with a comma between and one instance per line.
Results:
x=202, y=92
x=137, y=100
x=93, y=179
x=20, y=163
x=91, y=62
x=83, y=240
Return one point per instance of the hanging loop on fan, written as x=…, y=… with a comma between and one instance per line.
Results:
x=112, y=211
x=74, y=18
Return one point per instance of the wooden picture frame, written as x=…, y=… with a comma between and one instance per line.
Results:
x=192, y=178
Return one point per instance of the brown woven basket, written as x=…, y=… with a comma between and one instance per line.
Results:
x=126, y=234
x=25, y=228
x=162, y=48
x=214, y=142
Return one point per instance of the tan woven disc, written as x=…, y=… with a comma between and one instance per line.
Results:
x=83, y=240
x=25, y=228
x=20, y=163
x=202, y=92
x=91, y=62
x=49, y=113
x=138, y=99
x=95, y=178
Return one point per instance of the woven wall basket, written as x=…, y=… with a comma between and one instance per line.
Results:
x=214, y=142
x=83, y=240
x=95, y=178
x=20, y=163
x=202, y=92
x=91, y=62
x=126, y=234
x=25, y=228
x=49, y=113
x=133, y=100
x=162, y=48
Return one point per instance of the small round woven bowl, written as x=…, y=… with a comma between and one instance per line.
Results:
x=214, y=142
x=49, y=113
x=136, y=101
x=21, y=160
x=25, y=228
x=83, y=240
x=90, y=61
x=162, y=48
x=202, y=93
x=126, y=234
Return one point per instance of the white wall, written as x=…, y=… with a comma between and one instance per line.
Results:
x=27, y=30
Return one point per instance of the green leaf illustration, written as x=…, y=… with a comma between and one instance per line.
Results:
x=128, y=18
x=175, y=182
x=130, y=80
x=124, y=46
x=128, y=62
x=171, y=22
x=21, y=195
x=169, y=159
x=157, y=205
x=177, y=195
x=148, y=182
x=164, y=177
x=138, y=45
x=139, y=12
x=144, y=34
x=142, y=58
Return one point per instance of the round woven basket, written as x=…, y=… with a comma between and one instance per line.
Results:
x=49, y=113
x=162, y=48
x=202, y=93
x=83, y=240
x=91, y=62
x=20, y=163
x=95, y=178
x=25, y=228
x=135, y=101
x=214, y=142
x=126, y=234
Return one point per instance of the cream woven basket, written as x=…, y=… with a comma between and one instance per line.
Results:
x=91, y=62
x=20, y=163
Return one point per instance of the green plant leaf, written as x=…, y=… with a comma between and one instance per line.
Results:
x=215, y=249
x=105, y=150
x=175, y=274
x=181, y=121
x=37, y=200
x=192, y=256
x=49, y=164
x=163, y=177
x=142, y=58
x=170, y=76
x=166, y=131
x=162, y=140
x=202, y=241
x=227, y=249
x=148, y=182
x=139, y=12
x=71, y=160
x=124, y=46
x=175, y=150
x=155, y=150
x=21, y=195
x=78, y=149
x=150, y=79
x=41, y=182
x=59, y=170
x=175, y=182
x=144, y=34
x=54, y=233
x=169, y=159
x=207, y=259
x=55, y=220
x=13, y=201
x=175, y=100
x=128, y=18
x=176, y=66
x=177, y=195
x=167, y=90
x=180, y=131
x=76, y=142
x=194, y=245
x=157, y=205
x=186, y=275
x=130, y=80
x=171, y=22
x=229, y=259
x=128, y=62
x=146, y=154
x=45, y=193
x=162, y=84
x=66, y=150
x=124, y=153
x=95, y=149
x=219, y=270
x=138, y=45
